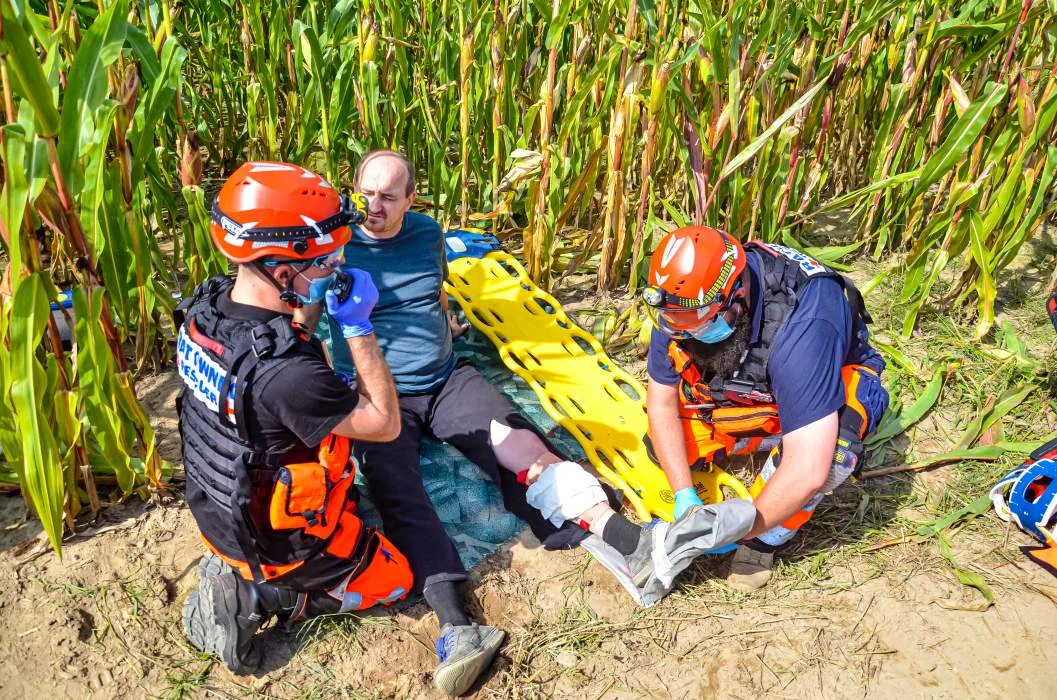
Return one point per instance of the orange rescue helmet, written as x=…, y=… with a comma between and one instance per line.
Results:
x=280, y=210
x=694, y=276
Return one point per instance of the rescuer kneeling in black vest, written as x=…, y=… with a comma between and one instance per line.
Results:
x=266, y=423
x=758, y=348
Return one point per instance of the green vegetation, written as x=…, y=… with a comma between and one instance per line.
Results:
x=586, y=127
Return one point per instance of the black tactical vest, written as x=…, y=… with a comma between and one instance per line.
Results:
x=786, y=272
x=219, y=359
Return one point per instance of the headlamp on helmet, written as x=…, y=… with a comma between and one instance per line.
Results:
x=694, y=274
x=271, y=210
x=680, y=317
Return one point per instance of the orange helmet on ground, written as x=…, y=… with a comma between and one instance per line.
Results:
x=280, y=210
x=694, y=276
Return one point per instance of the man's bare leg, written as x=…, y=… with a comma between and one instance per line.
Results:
x=525, y=454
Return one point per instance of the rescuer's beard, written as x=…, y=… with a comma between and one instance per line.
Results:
x=721, y=359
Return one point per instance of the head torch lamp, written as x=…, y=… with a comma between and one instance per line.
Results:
x=665, y=301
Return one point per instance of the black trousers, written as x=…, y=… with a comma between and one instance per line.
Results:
x=459, y=412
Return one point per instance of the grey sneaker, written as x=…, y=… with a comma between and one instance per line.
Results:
x=750, y=570
x=464, y=652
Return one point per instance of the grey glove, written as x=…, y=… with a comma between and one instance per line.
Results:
x=677, y=544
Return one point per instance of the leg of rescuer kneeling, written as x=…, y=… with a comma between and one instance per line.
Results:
x=866, y=400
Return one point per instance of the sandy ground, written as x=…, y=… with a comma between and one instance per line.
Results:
x=840, y=620
x=105, y=622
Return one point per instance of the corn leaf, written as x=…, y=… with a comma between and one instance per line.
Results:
x=963, y=134
x=42, y=470
x=1009, y=400
x=96, y=371
x=967, y=578
x=896, y=422
x=977, y=508
x=86, y=86
x=28, y=76
x=754, y=147
x=985, y=285
x=15, y=193
x=980, y=453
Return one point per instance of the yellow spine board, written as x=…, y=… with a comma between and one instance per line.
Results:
x=584, y=391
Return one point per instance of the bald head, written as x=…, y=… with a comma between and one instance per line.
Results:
x=387, y=179
x=388, y=160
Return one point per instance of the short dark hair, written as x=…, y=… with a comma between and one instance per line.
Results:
x=409, y=167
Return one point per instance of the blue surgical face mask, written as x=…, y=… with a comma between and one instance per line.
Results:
x=317, y=288
x=716, y=332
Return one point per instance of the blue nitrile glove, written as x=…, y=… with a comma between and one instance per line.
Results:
x=354, y=313
x=684, y=500
x=722, y=550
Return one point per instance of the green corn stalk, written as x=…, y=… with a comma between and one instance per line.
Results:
x=82, y=167
x=659, y=86
x=793, y=107
x=613, y=215
x=538, y=233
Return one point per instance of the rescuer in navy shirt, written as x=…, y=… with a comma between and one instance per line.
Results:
x=758, y=347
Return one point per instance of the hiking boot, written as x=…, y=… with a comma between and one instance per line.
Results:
x=464, y=652
x=198, y=614
x=750, y=570
x=223, y=614
x=211, y=565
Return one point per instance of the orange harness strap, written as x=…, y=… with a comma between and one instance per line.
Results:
x=314, y=497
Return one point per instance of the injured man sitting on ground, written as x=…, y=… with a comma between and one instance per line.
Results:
x=440, y=398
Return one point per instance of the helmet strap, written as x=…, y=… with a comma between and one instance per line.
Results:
x=740, y=297
x=287, y=295
x=739, y=311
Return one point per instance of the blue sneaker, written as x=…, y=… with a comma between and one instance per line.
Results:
x=464, y=653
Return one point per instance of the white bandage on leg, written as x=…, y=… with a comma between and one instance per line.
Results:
x=563, y=491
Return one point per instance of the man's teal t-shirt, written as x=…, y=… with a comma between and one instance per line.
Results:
x=409, y=322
